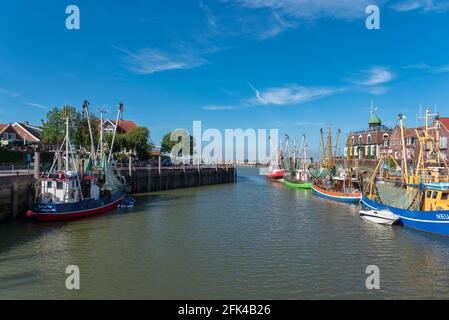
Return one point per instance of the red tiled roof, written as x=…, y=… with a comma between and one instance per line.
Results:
x=126, y=125
x=3, y=126
x=444, y=122
x=25, y=132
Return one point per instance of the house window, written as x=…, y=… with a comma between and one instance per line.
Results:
x=12, y=136
x=5, y=135
x=368, y=141
x=360, y=139
x=443, y=143
x=352, y=140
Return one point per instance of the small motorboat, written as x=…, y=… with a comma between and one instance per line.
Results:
x=379, y=216
x=127, y=203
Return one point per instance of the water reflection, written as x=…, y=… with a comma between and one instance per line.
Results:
x=254, y=239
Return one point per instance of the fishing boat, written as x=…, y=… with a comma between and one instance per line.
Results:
x=275, y=171
x=275, y=174
x=75, y=187
x=342, y=187
x=421, y=199
x=298, y=177
x=379, y=216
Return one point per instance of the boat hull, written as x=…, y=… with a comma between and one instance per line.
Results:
x=55, y=212
x=436, y=222
x=298, y=185
x=337, y=196
x=277, y=174
x=377, y=217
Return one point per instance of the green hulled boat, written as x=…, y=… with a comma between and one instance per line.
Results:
x=297, y=184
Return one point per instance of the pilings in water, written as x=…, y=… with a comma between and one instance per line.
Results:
x=17, y=191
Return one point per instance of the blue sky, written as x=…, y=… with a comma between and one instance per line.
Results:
x=293, y=65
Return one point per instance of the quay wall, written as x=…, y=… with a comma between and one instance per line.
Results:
x=17, y=191
x=16, y=195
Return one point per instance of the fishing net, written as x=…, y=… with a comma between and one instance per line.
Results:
x=112, y=183
x=319, y=173
x=396, y=196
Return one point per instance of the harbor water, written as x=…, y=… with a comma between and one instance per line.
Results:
x=254, y=239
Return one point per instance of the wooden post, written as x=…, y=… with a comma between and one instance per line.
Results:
x=14, y=200
x=37, y=164
x=159, y=165
x=130, y=166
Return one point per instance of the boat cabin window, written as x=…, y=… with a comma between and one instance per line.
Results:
x=59, y=185
x=429, y=193
x=444, y=196
x=434, y=195
x=49, y=184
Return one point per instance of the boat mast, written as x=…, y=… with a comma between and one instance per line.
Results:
x=119, y=113
x=67, y=140
x=336, y=147
x=329, y=148
x=92, y=147
x=401, y=118
x=323, y=148
x=348, y=161
x=101, y=145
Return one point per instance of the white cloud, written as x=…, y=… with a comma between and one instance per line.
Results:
x=421, y=5
x=148, y=61
x=291, y=94
x=377, y=91
x=307, y=9
x=213, y=107
x=36, y=105
x=429, y=68
x=9, y=93
x=375, y=76
x=280, y=96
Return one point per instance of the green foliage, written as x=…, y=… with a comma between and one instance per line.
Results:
x=54, y=127
x=54, y=131
x=167, y=144
x=136, y=139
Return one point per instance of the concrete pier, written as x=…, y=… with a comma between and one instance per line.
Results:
x=17, y=191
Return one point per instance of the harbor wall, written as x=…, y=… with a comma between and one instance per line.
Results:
x=151, y=180
x=17, y=191
x=16, y=195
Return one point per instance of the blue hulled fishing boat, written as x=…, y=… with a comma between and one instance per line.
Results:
x=76, y=186
x=421, y=199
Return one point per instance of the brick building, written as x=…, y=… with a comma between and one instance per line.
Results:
x=366, y=144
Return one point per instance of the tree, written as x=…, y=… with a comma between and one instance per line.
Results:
x=136, y=139
x=54, y=127
x=167, y=144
